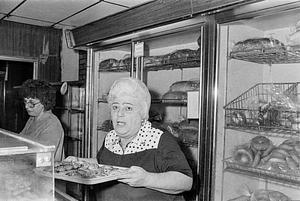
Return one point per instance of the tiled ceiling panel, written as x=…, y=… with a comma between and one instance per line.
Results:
x=62, y=13
x=30, y=21
x=129, y=3
x=8, y=5
x=94, y=13
x=53, y=10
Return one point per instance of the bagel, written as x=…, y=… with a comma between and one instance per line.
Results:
x=260, y=143
x=243, y=156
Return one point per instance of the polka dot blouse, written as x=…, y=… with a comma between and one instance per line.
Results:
x=147, y=138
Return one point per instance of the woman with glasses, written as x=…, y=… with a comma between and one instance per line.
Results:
x=42, y=126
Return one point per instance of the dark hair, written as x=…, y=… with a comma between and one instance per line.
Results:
x=41, y=90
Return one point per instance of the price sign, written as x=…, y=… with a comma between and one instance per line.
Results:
x=43, y=159
x=139, y=49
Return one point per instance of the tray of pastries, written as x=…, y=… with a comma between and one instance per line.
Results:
x=83, y=171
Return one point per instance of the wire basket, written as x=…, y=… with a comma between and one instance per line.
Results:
x=274, y=55
x=270, y=107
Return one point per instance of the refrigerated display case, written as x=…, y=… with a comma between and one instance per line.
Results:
x=70, y=109
x=257, y=128
x=169, y=60
x=19, y=160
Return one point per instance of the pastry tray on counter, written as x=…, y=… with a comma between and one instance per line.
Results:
x=113, y=175
x=292, y=178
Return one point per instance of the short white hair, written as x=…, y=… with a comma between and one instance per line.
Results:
x=134, y=88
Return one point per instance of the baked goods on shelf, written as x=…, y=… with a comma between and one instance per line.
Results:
x=183, y=54
x=260, y=152
x=154, y=61
x=243, y=155
x=188, y=85
x=257, y=44
x=186, y=131
x=108, y=63
x=266, y=107
x=178, y=90
x=175, y=95
x=263, y=195
x=125, y=61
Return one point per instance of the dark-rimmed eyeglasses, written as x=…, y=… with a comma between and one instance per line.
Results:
x=31, y=104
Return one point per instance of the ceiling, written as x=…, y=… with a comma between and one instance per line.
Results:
x=62, y=13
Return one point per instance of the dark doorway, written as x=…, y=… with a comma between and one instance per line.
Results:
x=12, y=74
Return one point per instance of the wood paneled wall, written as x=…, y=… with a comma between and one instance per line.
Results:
x=146, y=16
x=26, y=41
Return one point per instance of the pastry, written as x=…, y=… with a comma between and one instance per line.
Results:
x=175, y=95
x=182, y=54
x=260, y=143
x=243, y=155
x=185, y=86
x=108, y=63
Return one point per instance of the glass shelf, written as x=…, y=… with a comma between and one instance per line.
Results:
x=291, y=178
x=157, y=101
x=271, y=133
x=175, y=64
x=268, y=56
x=74, y=110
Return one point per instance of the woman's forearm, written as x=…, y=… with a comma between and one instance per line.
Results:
x=171, y=182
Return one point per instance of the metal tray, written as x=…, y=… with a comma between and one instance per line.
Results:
x=83, y=180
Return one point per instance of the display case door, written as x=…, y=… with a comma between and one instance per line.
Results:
x=173, y=54
x=253, y=82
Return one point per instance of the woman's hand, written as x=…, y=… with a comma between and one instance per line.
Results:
x=172, y=182
x=135, y=177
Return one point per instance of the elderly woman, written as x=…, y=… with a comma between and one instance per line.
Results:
x=42, y=126
x=158, y=170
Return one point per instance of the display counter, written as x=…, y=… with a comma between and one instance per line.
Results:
x=19, y=158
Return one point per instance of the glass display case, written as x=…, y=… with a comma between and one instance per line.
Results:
x=257, y=136
x=19, y=159
x=168, y=61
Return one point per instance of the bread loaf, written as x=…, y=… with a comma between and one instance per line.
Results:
x=185, y=86
x=257, y=43
x=182, y=54
x=175, y=95
x=125, y=61
x=108, y=63
x=153, y=61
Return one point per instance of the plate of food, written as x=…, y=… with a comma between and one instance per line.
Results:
x=82, y=171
